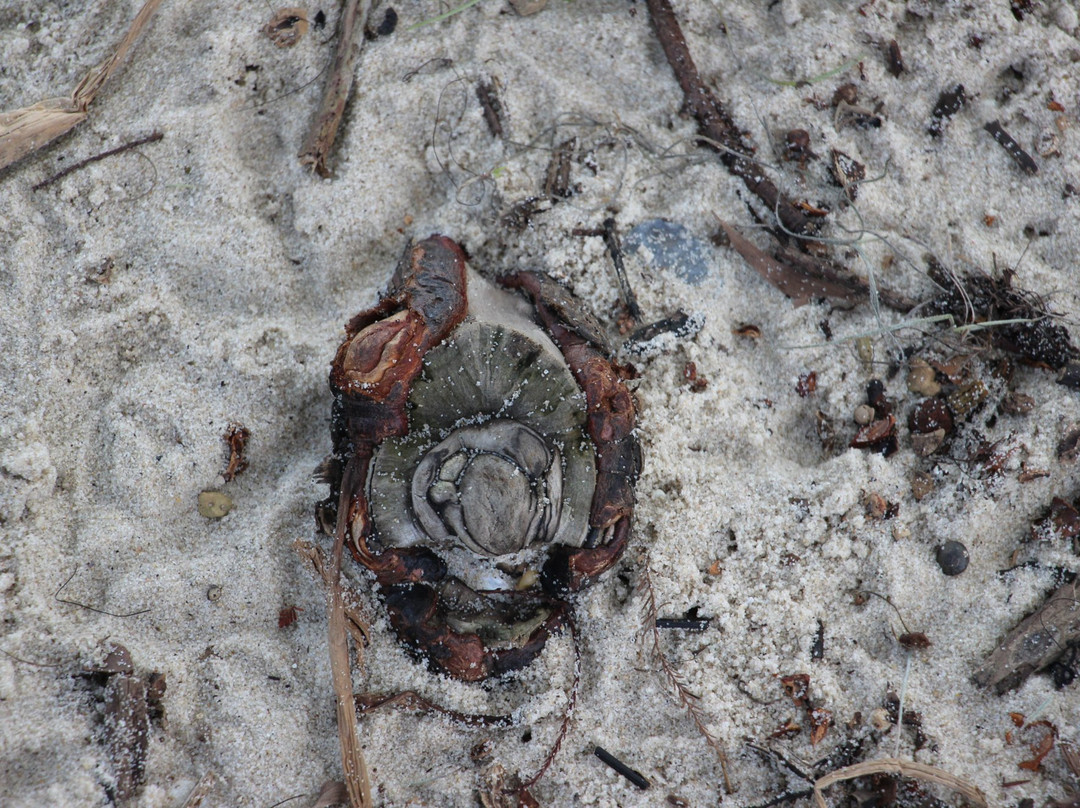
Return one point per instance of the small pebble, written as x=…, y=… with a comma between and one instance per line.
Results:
x=864, y=414
x=921, y=484
x=213, y=593
x=672, y=247
x=921, y=379
x=879, y=719
x=952, y=557
x=214, y=504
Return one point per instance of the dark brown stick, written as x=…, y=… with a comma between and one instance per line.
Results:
x=1014, y=149
x=320, y=139
x=411, y=700
x=152, y=138
x=715, y=123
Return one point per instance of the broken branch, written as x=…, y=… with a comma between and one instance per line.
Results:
x=715, y=123
x=24, y=131
x=320, y=139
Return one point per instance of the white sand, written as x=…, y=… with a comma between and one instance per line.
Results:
x=234, y=270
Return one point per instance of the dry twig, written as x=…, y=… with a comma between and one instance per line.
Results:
x=357, y=781
x=151, y=138
x=794, y=282
x=689, y=701
x=24, y=131
x=904, y=768
x=320, y=139
x=411, y=700
x=715, y=123
x=199, y=792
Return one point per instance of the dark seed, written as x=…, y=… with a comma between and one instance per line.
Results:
x=952, y=557
x=948, y=104
x=1014, y=149
x=929, y=415
x=894, y=62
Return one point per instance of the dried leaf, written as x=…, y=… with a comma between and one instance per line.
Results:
x=332, y=792
x=236, y=438
x=1041, y=748
x=820, y=721
x=797, y=686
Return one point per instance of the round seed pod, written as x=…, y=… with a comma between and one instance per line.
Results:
x=497, y=459
x=484, y=458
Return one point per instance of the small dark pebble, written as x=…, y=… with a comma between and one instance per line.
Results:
x=388, y=24
x=952, y=557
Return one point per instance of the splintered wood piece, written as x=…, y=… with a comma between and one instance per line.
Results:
x=1036, y=642
x=24, y=131
x=716, y=124
x=127, y=731
x=320, y=138
x=800, y=286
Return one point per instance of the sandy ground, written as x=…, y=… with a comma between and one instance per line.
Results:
x=233, y=270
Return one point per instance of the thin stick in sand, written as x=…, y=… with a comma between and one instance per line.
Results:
x=320, y=138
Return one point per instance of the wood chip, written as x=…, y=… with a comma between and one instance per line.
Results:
x=287, y=26
x=127, y=731
x=1036, y=641
x=797, y=285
